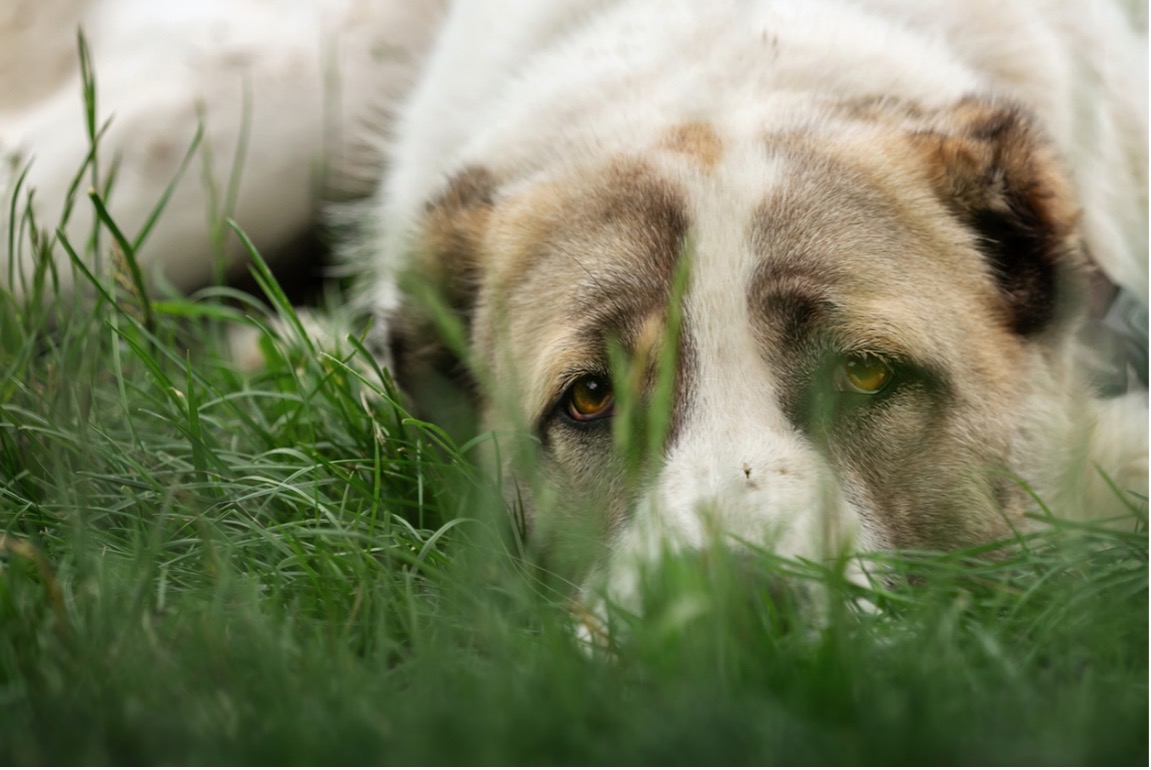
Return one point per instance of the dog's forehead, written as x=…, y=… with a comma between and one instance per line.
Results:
x=773, y=209
x=763, y=222
x=585, y=255
x=869, y=243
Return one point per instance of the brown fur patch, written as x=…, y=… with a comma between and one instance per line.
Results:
x=857, y=258
x=575, y=261
x=697, y=141
x=575, y=265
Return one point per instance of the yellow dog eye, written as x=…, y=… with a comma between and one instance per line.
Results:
x=866, y=375
x=588, y=398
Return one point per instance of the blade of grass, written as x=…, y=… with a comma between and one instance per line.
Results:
x=137, y=277
x=162, y=203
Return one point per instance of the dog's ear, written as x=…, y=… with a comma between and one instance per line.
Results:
x=989, y=164
x=447, y=249
x=428, y=335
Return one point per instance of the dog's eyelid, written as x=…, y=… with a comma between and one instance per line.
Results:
x=886, y=356
x=568, y=377
x=836, y=348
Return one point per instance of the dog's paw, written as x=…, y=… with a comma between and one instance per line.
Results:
x=308, y=333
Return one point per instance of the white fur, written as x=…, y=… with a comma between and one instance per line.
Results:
x=738, y=470
x=1045, y=54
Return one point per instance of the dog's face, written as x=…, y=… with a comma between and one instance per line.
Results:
x=851, y=336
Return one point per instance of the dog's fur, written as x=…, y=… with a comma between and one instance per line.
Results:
x=919, y=185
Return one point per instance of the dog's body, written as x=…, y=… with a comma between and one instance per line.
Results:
x=874, y=222
x=314, y=72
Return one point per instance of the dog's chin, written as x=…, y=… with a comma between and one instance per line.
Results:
x=675, y=591
x=682, y=555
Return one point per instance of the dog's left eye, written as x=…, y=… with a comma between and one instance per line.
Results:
x=862, y=374
x=589, y=398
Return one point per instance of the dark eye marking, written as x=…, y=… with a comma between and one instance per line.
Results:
x=837, y=389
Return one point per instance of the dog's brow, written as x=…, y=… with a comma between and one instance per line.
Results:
x=621, y=217
x=798, y=303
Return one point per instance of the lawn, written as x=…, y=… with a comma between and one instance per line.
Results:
x=200, y=565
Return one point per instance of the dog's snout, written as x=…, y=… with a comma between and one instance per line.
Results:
x=752, y=476
x=776, y=495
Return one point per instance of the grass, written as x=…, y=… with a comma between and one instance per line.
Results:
x=204, y=566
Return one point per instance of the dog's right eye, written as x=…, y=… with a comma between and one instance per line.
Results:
x=863, y=375
x=589, y=398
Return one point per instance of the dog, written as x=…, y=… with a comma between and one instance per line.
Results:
x=875, y=269
x=888, y=213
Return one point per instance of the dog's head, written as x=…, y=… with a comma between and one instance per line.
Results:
x=847, y=331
